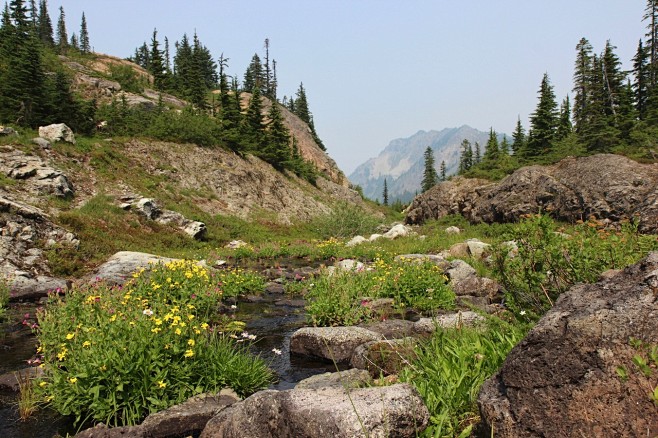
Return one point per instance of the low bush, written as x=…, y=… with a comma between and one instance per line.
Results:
x=342, y=298
x=551, y=259
x=4, y=296
x=116, y=354
x=345, y=220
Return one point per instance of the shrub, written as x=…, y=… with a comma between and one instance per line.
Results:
x=4, y=296
x=116, y=354
x=342, y=298
x=449, y=368
x=550, y=261
x=345, y=220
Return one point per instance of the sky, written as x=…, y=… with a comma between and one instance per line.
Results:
x=378, y=70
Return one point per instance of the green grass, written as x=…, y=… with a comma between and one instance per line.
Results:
x=449, y=368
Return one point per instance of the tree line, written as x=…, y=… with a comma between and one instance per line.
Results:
x=612, y=111
x=35, y=89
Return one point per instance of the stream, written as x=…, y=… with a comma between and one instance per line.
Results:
x=272, y=317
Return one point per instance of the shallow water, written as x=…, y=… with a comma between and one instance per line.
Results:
x=273, y=320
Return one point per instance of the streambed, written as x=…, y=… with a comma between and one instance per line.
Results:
x=271, y=317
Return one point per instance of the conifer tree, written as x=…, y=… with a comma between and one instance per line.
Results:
x=74, y=42
x=385, y=193
x=85, y=47
x=543, y=122
x=466, y=156
x=62, y=35
x=504, y=147
x=582, y=83
x=252, y=123
x=651, y=17
x=429, y=174
x=614, y=80
x=518, y=137
x=204, y=62
x=45, y=25
x=492, y=151
x=277, y=139
x=267, y=72
x=564, y=126
x=641, y=82
x=229, y=113
x=253, y=77
x=442, y=170
x=156, y=65
x=302, y=111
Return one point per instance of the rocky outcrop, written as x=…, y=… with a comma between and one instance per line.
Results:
x=23, y=262
x=576, y=373
x=390, y=411
x=36, y=176
x=604, y=186
x=150, y=209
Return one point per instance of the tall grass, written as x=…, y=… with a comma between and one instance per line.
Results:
x=450, y=367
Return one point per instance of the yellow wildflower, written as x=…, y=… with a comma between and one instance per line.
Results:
x=73, y=379
x=178, y=332
x=86, y=344
x=70, y=336
x=42, y=384
x=191, y=342
x=189, y=353
x=162, y=384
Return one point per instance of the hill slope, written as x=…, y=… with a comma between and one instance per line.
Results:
x=402, y=164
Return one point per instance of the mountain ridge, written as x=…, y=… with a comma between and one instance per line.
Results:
x=401, y=162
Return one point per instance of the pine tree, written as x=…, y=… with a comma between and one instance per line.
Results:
x=504, y=147
x=74, y=42
x=85, y=47
x=267, y=72
x=45, y=25
x=252, y=123
x=430, y=177
x=183, y=65
x=582, y=83
x=204, y=62
x=62, y=36
x=641, y=82
x=598, y=134
x=518, y=137
x=543, y=122
x=229, y=113
x=477, y=156
x=564, y=125
x=614, y=80
x=253, y=77
x=156, y=65
x=442, y=175
x=385, y=193
x=277, y=139
x=302, y=111
x=651, y=17
x=466, y=156
x=492, y=151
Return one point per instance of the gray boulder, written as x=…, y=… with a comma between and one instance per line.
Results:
x=41, y=142
x=385, y=357
x=448, y=321
x=7, y=131
x=335, y=344
x=57, y=132
x=390, y=411
x=575, y=373
x=352, y=378
x=119, y=268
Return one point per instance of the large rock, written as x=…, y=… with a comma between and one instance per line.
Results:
x=384, y=357
x=390, y=411
x=331, y=343
x=150, y=209
x=605, y=186
x=36, y=176
x=352, y=378
x=564, y=378
x=57, y=132
x=467, y=318
x=119, y=268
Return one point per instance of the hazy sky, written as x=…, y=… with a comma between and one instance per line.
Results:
x=377, y=70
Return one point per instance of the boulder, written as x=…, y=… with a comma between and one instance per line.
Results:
x=575, y=373
x=452, y=230
x=119, y=268
x=459, y=271
x=374, y=237
x=349, y=265
x=235, y=244
x=57, y=132
x=447, y=321
x=437, y=259
x=41, y=142
x=356, y=240
x=478, y=249
x=26, y=287
x=390, y=328
x=148, y=208
x=395, y=411
x=459, y=250
x=189, y=417
x=605, y=186
x=7, y=131
x=478, y=287
x=335, y=344
x=12, y=381
x=398, y=230
x=385, y=357
x=352, y=378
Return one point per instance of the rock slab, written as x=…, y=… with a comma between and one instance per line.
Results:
x=391, y=411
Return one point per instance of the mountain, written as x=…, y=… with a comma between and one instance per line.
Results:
x=402, y=163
